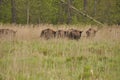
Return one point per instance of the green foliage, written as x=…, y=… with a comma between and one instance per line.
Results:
x=5, y=11
x=55, y=12
x=60, y=59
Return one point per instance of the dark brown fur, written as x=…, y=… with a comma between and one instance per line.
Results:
x=60, y=34
x=74, y=34
x=48, y=33
x=7, y=32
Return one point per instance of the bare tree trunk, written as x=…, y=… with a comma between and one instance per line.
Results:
x=69, y=18
x=13, y=11
x=60, y=14
x=108, y=4
x=95, y=7
x=84, y=9
x=28, y=12
x=0, y=8
x=85, y=5
x=0, y=2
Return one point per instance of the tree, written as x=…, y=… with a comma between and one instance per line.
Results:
x=69, y=16
x=13, y=11
x=0, y=4
x=95, y=7
x=85, y=5
x=53, y=11
x=28, y=11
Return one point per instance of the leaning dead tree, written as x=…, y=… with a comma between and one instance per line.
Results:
x=82, y=13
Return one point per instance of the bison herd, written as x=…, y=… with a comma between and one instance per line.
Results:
x=70, y=34
x=48, y=33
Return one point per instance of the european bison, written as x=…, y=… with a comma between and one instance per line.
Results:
x=1, y=31
x=91, y=32
x=48, y=33
x=61, y=34
x=71, y=34
x=7, y=32
x=74, y=34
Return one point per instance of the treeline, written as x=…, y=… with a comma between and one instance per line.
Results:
x=56, y=12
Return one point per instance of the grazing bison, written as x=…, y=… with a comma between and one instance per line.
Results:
x=48, y=33
x=91, y=32
x=7, y=32
x=74, y=34
x=61, y=33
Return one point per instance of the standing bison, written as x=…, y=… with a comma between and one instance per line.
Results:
x=74, y=34
x=48, y=33
x=91, y=32
x=61, y=34
x=7, y=33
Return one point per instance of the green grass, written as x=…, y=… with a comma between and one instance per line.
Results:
x=59, y=60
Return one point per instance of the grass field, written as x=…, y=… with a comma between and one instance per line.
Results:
x=28, y=57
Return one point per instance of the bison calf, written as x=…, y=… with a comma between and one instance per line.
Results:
x=91, y=32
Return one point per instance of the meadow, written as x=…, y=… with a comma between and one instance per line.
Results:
x=28, y=57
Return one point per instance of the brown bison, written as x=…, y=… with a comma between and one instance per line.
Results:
x=48, y=33
x=61, y=34
x=7, y=32
x=74, y=34
x=1, y=31
x=91, y=32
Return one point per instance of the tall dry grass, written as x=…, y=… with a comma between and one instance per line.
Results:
x=32, y=32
